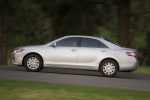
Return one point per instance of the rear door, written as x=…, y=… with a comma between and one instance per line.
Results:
x=90, y=52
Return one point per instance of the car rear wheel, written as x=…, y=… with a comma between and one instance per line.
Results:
x=33, y=63
x=109, y=68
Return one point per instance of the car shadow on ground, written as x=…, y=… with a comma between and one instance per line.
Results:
x=123, y=75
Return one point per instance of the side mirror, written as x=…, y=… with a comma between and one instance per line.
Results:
x=54, y=44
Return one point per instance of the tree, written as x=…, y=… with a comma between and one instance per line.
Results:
x=80, y=17
x=124, y=22
x=4, y=35
x=28, y=20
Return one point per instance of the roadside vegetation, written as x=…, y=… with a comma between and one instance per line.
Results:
x=33, y=90
x=143, y=70
x=34, y=22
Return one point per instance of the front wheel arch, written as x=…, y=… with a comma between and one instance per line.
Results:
x=31, y=54
x=33, y=63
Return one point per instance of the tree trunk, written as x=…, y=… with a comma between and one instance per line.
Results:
x=124, y=22
x=4, y=33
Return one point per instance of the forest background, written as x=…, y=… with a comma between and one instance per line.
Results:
x=33, y=22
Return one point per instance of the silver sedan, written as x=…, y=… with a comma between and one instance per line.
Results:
x=77, y=52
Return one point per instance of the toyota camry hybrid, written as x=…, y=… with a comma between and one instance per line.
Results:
x=77, y=52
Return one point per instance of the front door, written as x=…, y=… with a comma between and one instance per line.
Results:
x=64, y=54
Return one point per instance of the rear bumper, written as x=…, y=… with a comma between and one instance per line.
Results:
x=129, y=67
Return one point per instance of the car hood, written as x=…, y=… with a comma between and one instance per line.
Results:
x=28, y=47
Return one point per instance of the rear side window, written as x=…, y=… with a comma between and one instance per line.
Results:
x=92, y=43
x=68, y=42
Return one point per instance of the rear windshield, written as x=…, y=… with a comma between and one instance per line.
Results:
x=113, y=42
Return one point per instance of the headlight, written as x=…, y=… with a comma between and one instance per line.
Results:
x=17, y=50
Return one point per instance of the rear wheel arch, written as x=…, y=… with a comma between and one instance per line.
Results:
x=109, y=59
x=109, y=67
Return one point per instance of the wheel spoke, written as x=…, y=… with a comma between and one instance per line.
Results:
x=33, y=63
x=108, y=68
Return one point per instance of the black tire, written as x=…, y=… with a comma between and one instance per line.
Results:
x=109, y=68
x=33, y=63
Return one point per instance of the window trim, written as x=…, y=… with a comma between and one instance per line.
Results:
x=79, y=38
x=93, y=39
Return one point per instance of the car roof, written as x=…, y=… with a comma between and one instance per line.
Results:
x=81, y=36
x=107, y=43
x=103, y=40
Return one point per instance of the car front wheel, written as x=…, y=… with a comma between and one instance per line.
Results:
x=109, y=68
x=33, y=63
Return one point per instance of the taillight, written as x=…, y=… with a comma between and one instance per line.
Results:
x=131, y=54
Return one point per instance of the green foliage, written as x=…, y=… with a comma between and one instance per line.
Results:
x=40, y=21
x=140, y=29
x=75, y=16
x=145, y=51
x=143, y=70
x=30, y=21
x=105, y=33
x=140, y=22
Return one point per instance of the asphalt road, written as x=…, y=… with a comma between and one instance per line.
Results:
x=121, y=80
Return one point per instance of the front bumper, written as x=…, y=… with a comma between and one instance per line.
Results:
x=16, y=58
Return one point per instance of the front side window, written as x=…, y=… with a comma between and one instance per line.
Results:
x=93, y=43
x=68, y=42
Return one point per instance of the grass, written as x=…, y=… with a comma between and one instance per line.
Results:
x=143, y=70
x=32, y=90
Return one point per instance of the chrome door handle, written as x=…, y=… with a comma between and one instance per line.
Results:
x=73, y=50
x=104, y=51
